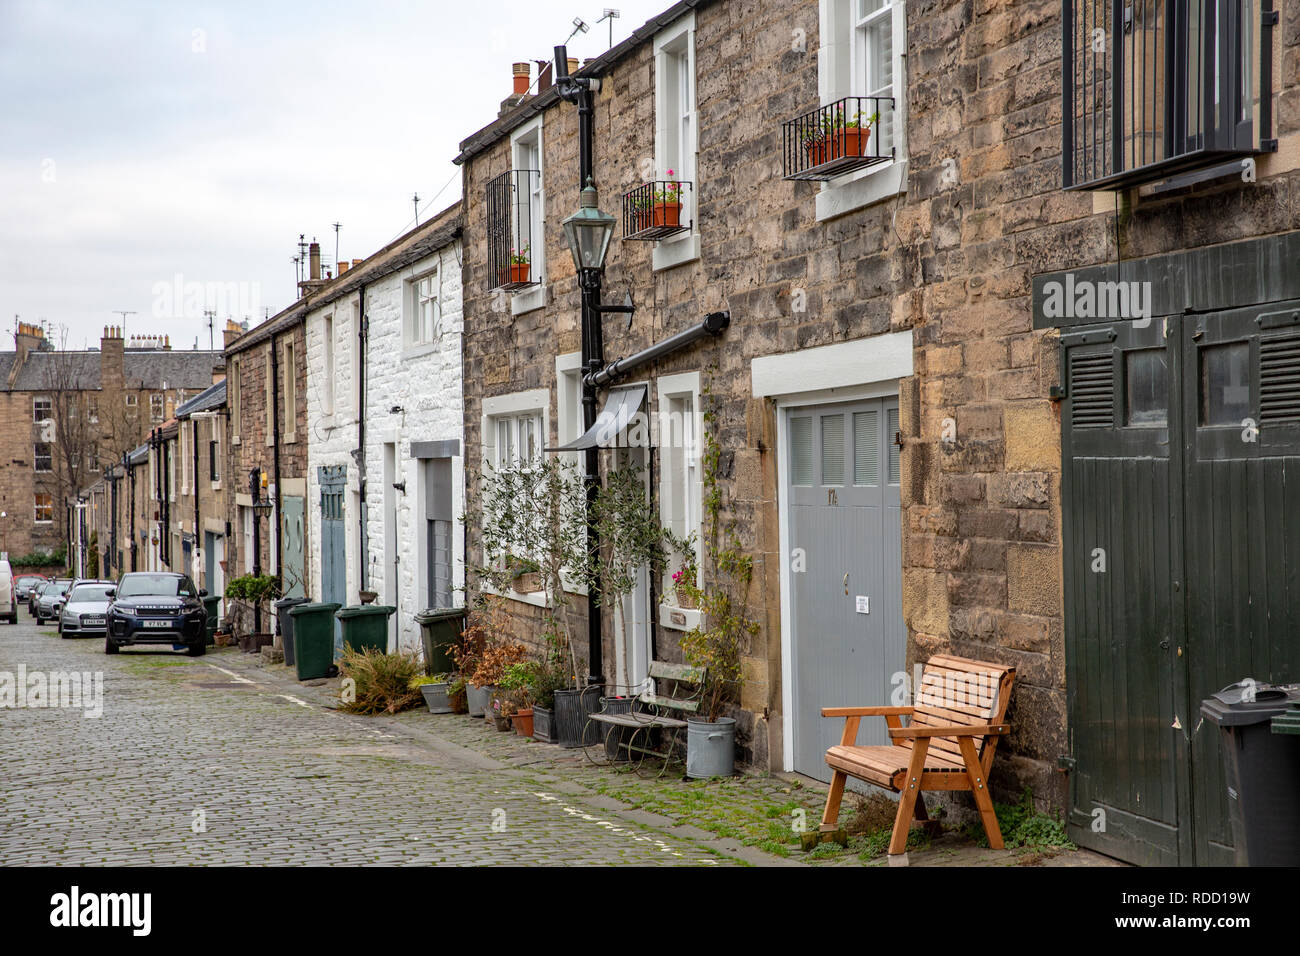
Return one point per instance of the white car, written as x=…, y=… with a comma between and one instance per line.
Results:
x=8, y=593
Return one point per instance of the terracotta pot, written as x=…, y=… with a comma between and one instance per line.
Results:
x=519, y=272
x=524, y=722
x=668, y=214
x=844, y=141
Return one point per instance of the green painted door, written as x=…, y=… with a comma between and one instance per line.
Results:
x=1181, y=441
x=293, y=538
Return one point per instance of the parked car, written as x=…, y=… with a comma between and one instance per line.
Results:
x=25, y=584
x=156, y=607
x=35, y=594
x=8, y=593
x=85, y=612
x=52, y=595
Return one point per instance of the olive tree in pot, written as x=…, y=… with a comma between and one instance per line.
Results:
x=251, y=591
x=538, y=514
x=722, y=638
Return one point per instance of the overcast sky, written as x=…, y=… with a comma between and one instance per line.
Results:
x=150, y=148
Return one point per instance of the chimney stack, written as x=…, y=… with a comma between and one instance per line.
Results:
x=357, y=262
x=232, y=331
x=112, y=362
x=343, y=266
x=313, y=255
x=545, y=76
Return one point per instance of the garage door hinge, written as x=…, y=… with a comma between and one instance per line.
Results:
x=1066, y=762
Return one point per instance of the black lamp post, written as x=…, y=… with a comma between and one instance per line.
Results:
x=588, y=232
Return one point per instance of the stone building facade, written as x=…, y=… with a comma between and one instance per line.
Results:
x=902, y=292
x=385, y=335
x=69, y=415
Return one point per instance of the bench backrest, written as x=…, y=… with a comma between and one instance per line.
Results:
x=677, y=686
x=956, y=691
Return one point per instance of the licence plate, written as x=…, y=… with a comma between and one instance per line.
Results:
x=92, y=620
x=157, y=623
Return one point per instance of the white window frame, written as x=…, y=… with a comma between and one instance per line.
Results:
x=414, y=335
x=132, y=400
x=674, y=54
x=523, y=141
x=681, y=482
x=568, y=422
x=232, y=398
x=49, y=454
x=92, y=409
x=221, y=467
x=535, y=402
x=36, y=506
x=42, y=400
x=157, y=406
x=328, y=362
x=839, y=74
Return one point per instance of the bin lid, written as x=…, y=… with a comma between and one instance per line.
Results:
x=1288, y=722
x=291, y=601
x=312, y=608
x=432, y=615
x=362, y=610
x=1248, y=702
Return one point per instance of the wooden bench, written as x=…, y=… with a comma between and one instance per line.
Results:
x=677, y=692
x=948, y=744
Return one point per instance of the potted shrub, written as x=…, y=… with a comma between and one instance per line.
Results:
x=520, y=265
x=687, y=570
x=384, y=682
x=668, y=204
x=485, y=622
x=838, y=135
x=253, y=591
x=517, y=688
x=435, y=691
x=491, y=670
x=549, y=676
x=526, y=576
x=456, y=697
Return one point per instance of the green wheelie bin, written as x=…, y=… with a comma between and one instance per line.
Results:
x=212, y=605
x=365, y=626
x=440, y=629
x=313, y=639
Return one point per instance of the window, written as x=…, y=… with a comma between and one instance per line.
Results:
x=861, y=55
x=424, y=315
x=214, y=454
x=289, y=392
x=514, y=428
x=268, y=387
x=1180, y=84
x=132, y=401
x=233, y=390
x=44, y=509
x=43, y=457
x=1225, y=384
x=1146, y=388
x=92, y=457
x=92, y=409
x=327, y=343
x=185, y=442
x=42, y=409
x=171, y=472
x=568, y=401
x=516, y=213
x=681, y=480
x=676, y=138
x=156, y=406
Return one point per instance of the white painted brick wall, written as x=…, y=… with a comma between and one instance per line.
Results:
x=426, y=383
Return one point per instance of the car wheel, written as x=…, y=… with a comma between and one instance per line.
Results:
x=197, y=650
x=110, y=647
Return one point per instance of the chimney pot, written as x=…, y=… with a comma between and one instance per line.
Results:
x=355, y=263
x=313, y=254
x=521, y=71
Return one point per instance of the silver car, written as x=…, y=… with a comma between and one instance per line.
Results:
x=85, y=611
x=52, y=595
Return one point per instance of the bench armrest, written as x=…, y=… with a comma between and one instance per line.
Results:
x=866, y=711
x=962, y=730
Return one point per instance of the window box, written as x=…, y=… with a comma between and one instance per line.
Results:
x=657, y=210
x=511, y=227
x=835, y=139
x=1176, y=87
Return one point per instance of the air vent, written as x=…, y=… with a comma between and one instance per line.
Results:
x=1279, y=379
x=1092, y=391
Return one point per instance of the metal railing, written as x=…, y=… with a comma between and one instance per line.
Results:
x=514, y=229
x=838, y=138
x=1151, y=87
x=658, y=209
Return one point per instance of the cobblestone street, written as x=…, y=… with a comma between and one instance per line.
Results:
x=271, y=777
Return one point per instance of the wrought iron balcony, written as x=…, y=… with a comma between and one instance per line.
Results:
x=1152, y=90
x=514, y=229
x=838, y=138
x=657, y=210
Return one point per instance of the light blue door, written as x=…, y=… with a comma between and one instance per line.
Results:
x=333, y=542
x=848, y=639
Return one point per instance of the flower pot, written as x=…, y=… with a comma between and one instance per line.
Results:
x=668, y=213
x=519, y=272
x=543, y=724
x=368, y=597
x=224, y=639
x=479, y=699
x=524, y=722
x=435, y=696
x=502, y=723
x=527, y=582
x=684, y=599
x=573, y=708
x=851, y=141
x=710, y=748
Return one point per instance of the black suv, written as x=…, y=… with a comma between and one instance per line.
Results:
x=156, y=607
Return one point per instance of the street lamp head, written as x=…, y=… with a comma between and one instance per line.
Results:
x=589, y=231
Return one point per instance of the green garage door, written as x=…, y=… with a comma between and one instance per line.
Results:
x=1181, y=444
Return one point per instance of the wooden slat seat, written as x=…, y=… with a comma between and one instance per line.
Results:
x=638, y=720
x=948, y=744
